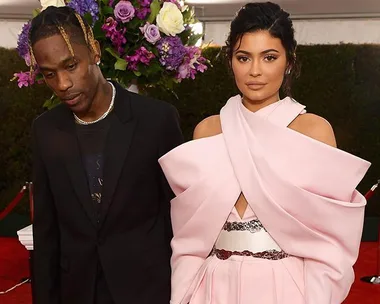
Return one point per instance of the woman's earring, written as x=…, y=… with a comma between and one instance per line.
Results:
x=98, y=63
x=288, y=70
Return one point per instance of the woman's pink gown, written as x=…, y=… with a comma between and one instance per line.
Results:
x=300, y=234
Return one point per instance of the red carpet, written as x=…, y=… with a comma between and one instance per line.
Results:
x=14, y=267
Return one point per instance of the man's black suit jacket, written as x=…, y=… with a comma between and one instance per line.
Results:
x=132, y=239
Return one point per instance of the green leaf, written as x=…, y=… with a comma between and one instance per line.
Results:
x=105, y=2
x=88, y=18
x=185, y=36
x=112, y=52
x=36, y=12
x=39, y=77
x=154, y=68
x=155, y=7
x=189, y=16
x=121, y=64
x=155, y=52
x=137, y=73
x=194, y=39
x=107, y=10
x=134, y=24
x=98, y=32
x=51, y=102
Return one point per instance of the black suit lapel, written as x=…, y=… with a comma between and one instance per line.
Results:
x=117, y=146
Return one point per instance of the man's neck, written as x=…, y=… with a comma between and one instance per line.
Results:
x=101, y=102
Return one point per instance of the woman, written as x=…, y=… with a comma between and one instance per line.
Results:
x=266, y=209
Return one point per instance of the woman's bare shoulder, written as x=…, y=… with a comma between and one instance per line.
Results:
x=315, y=127
x=209, y=126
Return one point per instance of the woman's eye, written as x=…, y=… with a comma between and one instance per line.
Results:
x=270, y=58
x=243, y=59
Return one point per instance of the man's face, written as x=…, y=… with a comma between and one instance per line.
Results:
x=73, y=79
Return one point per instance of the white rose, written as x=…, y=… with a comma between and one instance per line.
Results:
x=56, y=3
x=170, y=20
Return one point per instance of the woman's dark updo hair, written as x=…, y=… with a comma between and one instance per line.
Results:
x=268, y=16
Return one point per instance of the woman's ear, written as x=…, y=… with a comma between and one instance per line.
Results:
x=289, y=68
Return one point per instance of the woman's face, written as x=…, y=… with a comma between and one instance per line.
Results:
x=259, y=63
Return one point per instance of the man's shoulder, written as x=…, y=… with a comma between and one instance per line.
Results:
x=149, y=105
x=50, y=117
x=148, y=101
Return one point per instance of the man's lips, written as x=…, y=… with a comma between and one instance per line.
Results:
x=71, y=99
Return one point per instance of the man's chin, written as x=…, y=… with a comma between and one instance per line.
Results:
x=78, y=109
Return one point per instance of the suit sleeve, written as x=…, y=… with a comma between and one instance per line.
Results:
x=45, y=233
x=170, y=137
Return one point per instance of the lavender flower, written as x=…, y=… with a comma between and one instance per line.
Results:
x=116, y=36
x=124, y=11
x=171, y=52
x=142, y=13
x=23, y=43
x=141, y=55
x=145, y=3
x=85, y=6
x=151, y=33
x=193, y=62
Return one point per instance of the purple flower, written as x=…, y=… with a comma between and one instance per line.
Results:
x=25, y=79
x=145, y=3
x=193, y=62
x=142, y=13
x=124, y=11
x=141, y=55
x=85, y=6
x=116, y=36
x=151, y=33
x=171, y=52
x=23, y=43
x=28, y=59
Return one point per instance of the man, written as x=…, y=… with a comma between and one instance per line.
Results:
x=101, y=224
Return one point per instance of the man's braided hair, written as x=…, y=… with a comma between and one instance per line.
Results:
x=62, y=21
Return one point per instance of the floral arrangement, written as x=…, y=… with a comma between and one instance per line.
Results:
x=146, y=42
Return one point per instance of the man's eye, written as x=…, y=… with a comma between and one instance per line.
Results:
x=72, y=66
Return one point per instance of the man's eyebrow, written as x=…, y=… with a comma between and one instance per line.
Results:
x=63, y=62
